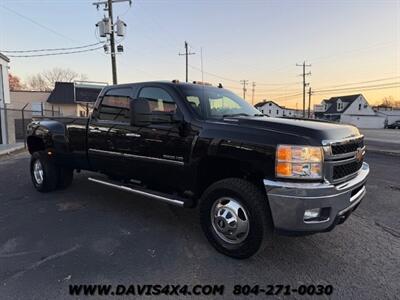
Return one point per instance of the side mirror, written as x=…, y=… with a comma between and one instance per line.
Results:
x=140, y=112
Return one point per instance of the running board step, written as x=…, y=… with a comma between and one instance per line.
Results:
x=171, y=199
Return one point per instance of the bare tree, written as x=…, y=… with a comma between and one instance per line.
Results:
x=46, y=80
x=38, y=83
x=387, y=101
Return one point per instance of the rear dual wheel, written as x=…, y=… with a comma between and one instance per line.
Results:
x=46, y=175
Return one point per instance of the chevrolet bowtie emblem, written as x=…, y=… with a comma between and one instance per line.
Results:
x=359, y=154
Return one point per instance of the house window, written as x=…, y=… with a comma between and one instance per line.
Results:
x=359, y=106
x=269, y=111
x=339, y=105
x=277, y=112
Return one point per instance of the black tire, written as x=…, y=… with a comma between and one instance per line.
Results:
x=65, y=177
x=255, y=204
x=49, y=172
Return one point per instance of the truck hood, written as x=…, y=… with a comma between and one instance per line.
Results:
x=315, y=131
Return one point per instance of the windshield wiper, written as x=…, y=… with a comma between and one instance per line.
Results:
x=259, y=115
x=236, y=115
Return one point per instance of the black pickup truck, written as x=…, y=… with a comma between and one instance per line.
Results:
x=195, y=145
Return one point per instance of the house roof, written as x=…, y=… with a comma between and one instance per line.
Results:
x=68, y=93
x=63, y=93
x=333, y=101
x=4, y=57
x=262, y=103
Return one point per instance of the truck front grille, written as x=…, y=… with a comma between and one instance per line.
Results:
x=341, y=171
x=347, y=147
x=343, y=158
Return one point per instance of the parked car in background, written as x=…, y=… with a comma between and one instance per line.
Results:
x=395, y=125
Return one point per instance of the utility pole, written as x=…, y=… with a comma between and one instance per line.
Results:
x=187, y=53
x=244, y=82
x=309, y=101
x=253, y=85
x=304, y=84
x=108, y=6
x=112, y=43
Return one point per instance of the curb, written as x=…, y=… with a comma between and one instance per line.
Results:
x=11, y=150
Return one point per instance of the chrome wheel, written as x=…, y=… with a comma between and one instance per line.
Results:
x=38, y=172
x=230, y=220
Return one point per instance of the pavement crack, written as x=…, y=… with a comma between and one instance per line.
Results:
x=388, y=229
x=44, y=260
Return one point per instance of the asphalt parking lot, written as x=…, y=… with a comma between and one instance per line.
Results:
x=93, y=234
x=383, y=140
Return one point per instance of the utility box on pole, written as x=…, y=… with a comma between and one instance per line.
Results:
x=104, y=27
x=120, y=27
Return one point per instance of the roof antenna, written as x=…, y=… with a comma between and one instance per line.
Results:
x=201, y=59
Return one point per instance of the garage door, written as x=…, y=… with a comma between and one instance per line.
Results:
x=364, y=121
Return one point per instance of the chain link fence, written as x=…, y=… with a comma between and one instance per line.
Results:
x=15, y=120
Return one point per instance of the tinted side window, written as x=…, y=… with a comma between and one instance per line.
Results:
x=115, y=105
x=159, y=99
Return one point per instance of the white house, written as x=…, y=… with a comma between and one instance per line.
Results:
x=272, y=109
x=4, y=97
x=351, y=109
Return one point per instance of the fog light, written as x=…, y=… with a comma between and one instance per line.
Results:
x=312, y=213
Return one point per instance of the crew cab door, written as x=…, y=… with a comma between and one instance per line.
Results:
x=110, y=133
x=167, y=145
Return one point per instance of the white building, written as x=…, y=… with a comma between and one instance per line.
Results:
x=272, y=109
x=4, y=97
x=351, y=109
x=390, y=114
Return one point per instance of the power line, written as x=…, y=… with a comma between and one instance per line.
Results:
x=361, y=82
x=58, y=53
x=358, y=87
x=288, y=96
x=367, y=89
x=279, y=84
x=50, y=49
x=215, y=75
x=36, y=23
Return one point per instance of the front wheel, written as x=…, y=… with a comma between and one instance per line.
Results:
x=236, y=218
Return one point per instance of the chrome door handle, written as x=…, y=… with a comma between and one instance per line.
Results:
x=133, y=134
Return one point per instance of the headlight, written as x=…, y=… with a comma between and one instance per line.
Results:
x=299, y=162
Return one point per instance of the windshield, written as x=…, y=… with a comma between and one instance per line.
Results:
x=216, y=103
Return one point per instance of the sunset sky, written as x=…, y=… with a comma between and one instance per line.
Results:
x=350, y=44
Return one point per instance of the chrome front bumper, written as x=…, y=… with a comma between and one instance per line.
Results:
x=288, y=202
